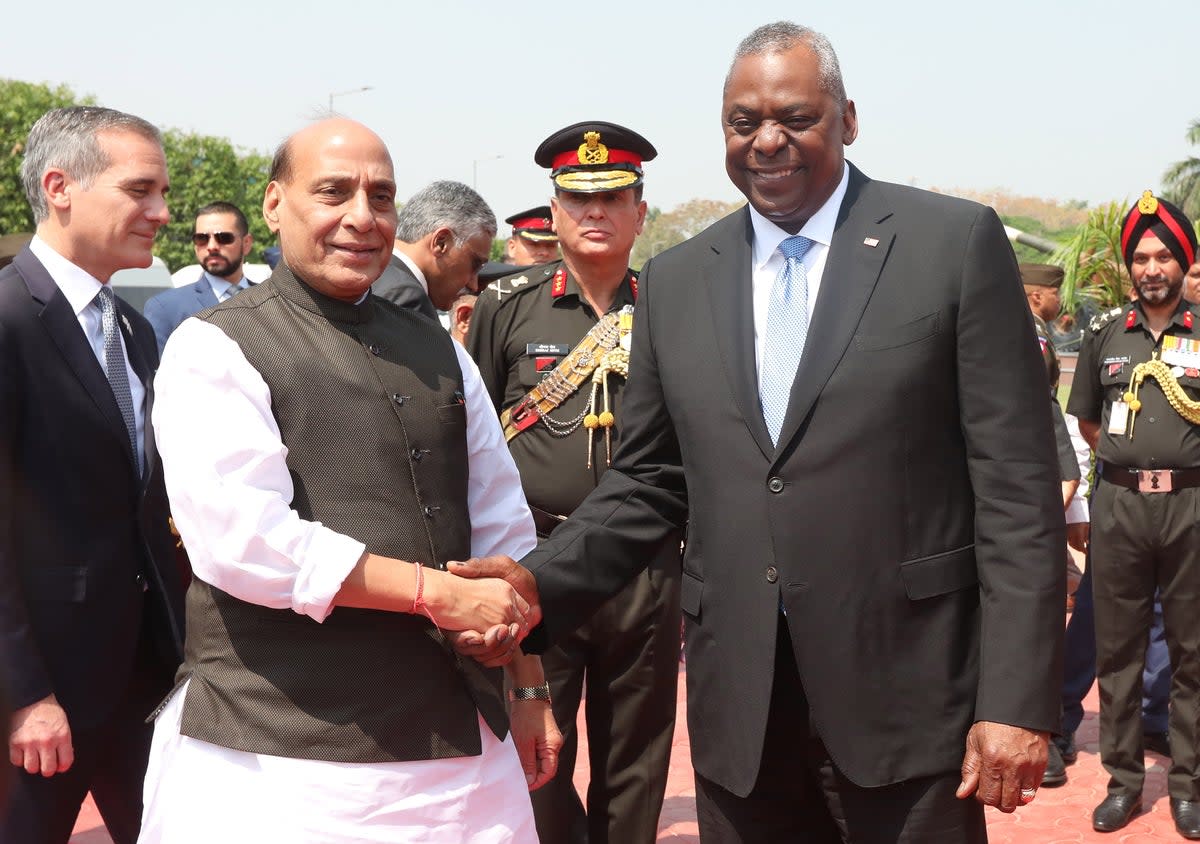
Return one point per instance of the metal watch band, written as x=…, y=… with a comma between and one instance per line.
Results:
x=541, y=692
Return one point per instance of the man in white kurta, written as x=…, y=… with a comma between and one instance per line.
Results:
x=232, y=493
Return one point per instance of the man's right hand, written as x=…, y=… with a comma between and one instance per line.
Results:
x=40, y=741
x=517, y=576
x=456, y=603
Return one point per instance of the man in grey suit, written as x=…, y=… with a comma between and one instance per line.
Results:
x=222, y=241
x=859, y=665
x=443, y=237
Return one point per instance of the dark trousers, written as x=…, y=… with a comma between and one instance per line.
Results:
x=1079, y=664
x=1140, y=544
x=628, y=655
x=110, y=762
x=800, y=796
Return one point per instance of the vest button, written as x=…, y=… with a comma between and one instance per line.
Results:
x=375, y=349
x=416, y=455
x=775, y=485
x=772, y=574
x=399, y=399
x=429, y=511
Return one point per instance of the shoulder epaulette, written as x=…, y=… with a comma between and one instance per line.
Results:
x=511, y=285
x=1101, y=320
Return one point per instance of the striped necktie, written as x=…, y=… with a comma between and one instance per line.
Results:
x=114, y=368
x=787, y=329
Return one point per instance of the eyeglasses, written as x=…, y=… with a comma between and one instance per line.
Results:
x=223, y=238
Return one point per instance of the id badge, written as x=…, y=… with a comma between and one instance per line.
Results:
x=1118, y=418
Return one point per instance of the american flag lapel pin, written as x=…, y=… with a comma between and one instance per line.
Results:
x=871, y=241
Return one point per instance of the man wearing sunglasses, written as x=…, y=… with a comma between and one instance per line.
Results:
x=222, y=240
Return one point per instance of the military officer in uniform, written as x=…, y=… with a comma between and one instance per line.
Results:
x=552, y=346
x=1135, y=392
x=533, y=240
x=1042, y=283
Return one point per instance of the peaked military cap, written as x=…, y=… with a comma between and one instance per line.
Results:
x=533, y=224
x=1041, y=275
x=595, y=156
x=1156, y=216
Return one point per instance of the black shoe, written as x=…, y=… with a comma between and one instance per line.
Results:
x=1157, y=743
x=1056, y=771
x=1187, y=817
x=1066, y=748
x=1116, y=811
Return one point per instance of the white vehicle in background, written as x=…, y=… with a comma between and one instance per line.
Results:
x=137, y=285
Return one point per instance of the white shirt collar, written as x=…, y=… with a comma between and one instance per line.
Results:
x=77, y=284
x=408, y=262
x=819, y=228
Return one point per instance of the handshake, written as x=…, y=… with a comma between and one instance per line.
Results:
x=486, y=608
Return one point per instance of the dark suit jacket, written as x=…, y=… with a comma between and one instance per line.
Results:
x=910, y=518
x=399, y=285
x=168, y=309
x=85, y=552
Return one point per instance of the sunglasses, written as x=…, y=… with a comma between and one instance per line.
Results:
x=223, y=238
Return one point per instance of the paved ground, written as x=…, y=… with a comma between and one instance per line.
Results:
x=1058, y=815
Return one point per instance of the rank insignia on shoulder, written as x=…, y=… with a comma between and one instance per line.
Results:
x=519, y=280
x=1101, y=320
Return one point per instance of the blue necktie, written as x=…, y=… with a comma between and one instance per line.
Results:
x=114, y=369
x=787, y=329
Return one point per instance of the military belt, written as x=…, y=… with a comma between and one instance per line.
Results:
x=1151, y=480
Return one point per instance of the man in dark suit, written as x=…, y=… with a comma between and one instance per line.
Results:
x=222, y=241
x=443, y=237
x=873, y=582
x=90, y=602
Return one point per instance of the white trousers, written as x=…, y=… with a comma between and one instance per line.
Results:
x=201, y=793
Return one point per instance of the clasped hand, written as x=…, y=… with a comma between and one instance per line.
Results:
x=498, y=644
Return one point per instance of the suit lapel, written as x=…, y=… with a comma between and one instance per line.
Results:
x=204, y=293
x=729, y=287
x=851, y=271
x=63, y=327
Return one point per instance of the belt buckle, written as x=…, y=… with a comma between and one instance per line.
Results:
x=1154, y=480
x=524, y=414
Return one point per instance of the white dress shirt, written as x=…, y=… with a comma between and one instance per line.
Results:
x=768, y=261
x=81, y=289
x=231, y=499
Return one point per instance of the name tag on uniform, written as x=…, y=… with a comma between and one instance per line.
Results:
x=1118, y=418
x=553, y=349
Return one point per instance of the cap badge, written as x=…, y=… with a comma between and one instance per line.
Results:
x=1148, y=204
x=591, y=151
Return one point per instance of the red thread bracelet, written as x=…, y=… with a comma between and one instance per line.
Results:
x=419, y=606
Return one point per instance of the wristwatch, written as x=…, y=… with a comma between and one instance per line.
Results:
x=541, y=692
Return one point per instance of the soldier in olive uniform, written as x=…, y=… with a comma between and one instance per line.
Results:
x=551, y=342
x=1042, y=282
x=533, y=240
x=1135, y=393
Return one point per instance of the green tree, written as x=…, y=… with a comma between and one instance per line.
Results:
x=206, y=169
x=1181, y=182
x=664, y=229
x=1095, y=274
x=21, y=104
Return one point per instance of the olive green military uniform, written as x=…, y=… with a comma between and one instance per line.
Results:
x=1068, y=466
x=1143, y=538
x=522, y=328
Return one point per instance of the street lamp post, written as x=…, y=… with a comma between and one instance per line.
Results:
x=475, y=169
x=344, y=93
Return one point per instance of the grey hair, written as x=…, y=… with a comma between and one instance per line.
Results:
x=784, y=35
x=67, y=139
x=449, y=204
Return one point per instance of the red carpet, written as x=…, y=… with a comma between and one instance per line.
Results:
x=1058, y=815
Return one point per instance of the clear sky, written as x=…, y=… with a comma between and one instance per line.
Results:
x=1061, y=99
